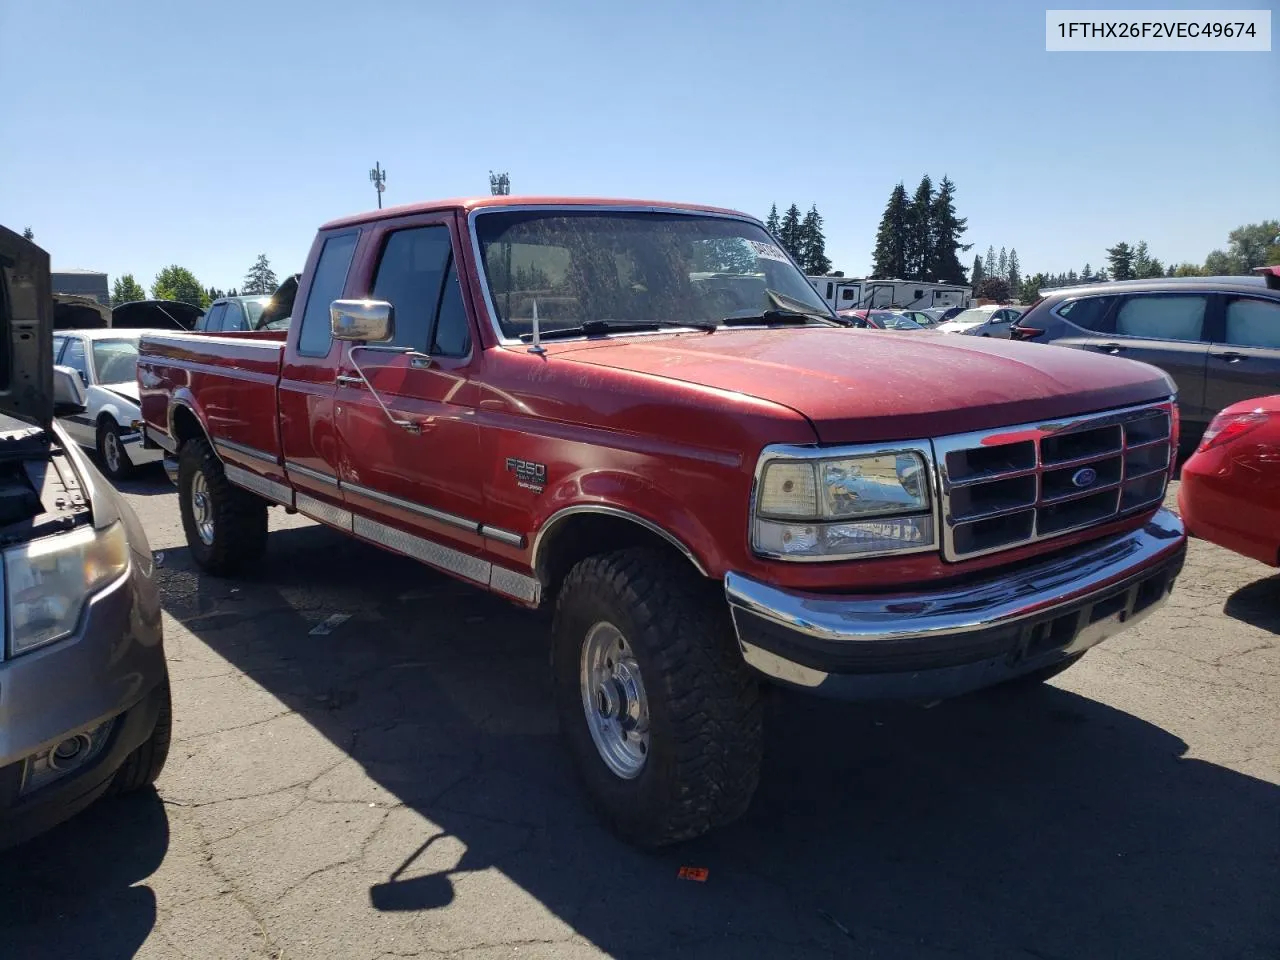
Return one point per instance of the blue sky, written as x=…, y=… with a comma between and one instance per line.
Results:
x=140, y=132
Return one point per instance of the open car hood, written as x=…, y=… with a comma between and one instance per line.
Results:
x=72, y=312
x=155, y=315
x=26, y=330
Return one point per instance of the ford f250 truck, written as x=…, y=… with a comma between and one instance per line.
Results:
x=645, y=417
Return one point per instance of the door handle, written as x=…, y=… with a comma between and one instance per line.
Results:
x=1111, y=347
x=1231, y=356
x=343, y=380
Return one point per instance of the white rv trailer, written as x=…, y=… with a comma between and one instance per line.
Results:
x=843, y=293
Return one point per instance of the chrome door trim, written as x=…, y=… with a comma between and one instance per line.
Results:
x=551, y=522
x=502, y=536
x=452, y=519
x=247, y=451
x=318, y=475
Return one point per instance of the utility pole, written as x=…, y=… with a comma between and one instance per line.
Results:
x=499, y=184
x=378, y=177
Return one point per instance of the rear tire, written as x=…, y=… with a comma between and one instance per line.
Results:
x=226, y=527
x=111, y=451
x=639, y=636
x=142, y=767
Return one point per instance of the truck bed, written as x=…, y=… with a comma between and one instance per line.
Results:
x=228, y=380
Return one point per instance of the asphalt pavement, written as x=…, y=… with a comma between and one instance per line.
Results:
x=392, y=785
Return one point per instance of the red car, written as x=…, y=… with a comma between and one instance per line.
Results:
x=1231, y=487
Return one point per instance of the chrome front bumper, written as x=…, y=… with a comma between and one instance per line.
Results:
x=945, y=642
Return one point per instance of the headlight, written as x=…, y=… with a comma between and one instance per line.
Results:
x=844, y=507
x=48, y=581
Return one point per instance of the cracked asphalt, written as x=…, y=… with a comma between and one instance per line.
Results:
x=396, y=788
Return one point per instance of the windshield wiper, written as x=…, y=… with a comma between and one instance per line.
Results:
x=776, y=316
x=591, y=328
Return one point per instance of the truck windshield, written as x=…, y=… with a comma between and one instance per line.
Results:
x=633, y=267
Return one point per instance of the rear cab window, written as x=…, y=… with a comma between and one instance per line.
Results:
x=327, y=284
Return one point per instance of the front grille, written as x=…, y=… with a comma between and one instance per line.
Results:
x=1017, y=485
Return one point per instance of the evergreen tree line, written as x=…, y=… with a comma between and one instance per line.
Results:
x=802, y=237
x=178, y=283
x=919, y=236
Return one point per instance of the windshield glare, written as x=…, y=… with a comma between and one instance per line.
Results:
x=254, y=308
x=116, y=361
x=632, y=268
x=971, y=316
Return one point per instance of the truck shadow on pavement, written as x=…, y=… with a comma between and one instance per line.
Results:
x=78, y=890
x=1036, y=824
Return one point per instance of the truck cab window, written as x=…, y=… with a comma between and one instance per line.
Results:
x=452, y=336
x=326, y=286
x=409, y=276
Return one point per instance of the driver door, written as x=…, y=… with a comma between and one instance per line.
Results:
x=422, y=475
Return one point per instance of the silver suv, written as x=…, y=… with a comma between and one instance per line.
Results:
x=84, y=693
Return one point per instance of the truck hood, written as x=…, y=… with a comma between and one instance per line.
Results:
x=869, y=386
x=26, y=330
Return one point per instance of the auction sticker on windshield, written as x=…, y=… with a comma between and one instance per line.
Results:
x=768, y=251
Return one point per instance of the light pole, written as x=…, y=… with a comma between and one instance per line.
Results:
x=378, y=177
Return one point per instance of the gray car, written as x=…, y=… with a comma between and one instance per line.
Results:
x=1217, y=337
x=84, y=693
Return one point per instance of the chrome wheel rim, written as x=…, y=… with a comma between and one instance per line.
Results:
x=614, y=701
x=111, y=450
x=202, y=509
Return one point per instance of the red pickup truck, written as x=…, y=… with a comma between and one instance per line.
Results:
x=643, y=415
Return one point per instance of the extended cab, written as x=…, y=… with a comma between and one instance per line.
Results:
x=644, y=416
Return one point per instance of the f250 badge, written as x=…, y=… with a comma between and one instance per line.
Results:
x=530, y=475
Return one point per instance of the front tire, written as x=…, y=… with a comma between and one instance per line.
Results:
x=661, y=714
x=142, y=767
x=226, y=527
x=111, y=451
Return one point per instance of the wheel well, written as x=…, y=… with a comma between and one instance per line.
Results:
x=185, y=426
x=103, y=417
x=583, y=535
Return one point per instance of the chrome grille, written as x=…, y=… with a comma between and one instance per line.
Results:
x=1012, y=486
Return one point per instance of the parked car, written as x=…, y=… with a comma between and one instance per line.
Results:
x=1230, y=492
x=233, y=314
x=106, y=363
x=84, y=693
x=920, y=522
x=924, y=318
x=989, y=320
x=878, y=320
x=1217, y=337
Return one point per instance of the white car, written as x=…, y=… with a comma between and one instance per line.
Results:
x=107, y=363
x=991, y=320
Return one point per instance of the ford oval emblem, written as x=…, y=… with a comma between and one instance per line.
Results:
x=1084, y=477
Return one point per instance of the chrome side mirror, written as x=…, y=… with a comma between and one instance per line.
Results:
x=368, y=321
x=68, y=391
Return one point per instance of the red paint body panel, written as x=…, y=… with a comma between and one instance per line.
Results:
x=1230, y=494
x=665, y=427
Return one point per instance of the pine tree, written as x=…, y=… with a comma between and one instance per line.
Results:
x=891, y=237
x=260, y=278
x=1087, y=274
x=989, y=265
x=772, y=223
x=920, y=238
x=1141, y=260
x=1015, y=275
x=1121, y=259
x=978, y=271
x=1072, y=279
x=28, y=234
x=1002, y=264
x=789, y=235
x=813, y=246
x=1100, y=276
x=947, y=230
